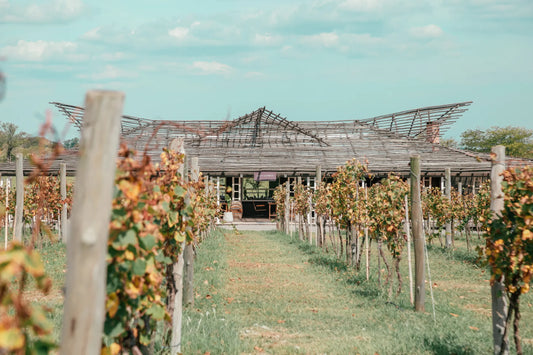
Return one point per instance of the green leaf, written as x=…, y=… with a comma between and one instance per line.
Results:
x=139, y=267
x=156, y=311
x=126, y=238
x=147, y=242
x=179, y=191
x=172, y=218
x=113, y=327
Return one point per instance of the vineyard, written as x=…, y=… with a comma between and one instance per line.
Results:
x=131, y=285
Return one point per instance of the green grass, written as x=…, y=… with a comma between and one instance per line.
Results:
x=206, y=326
x=267, y=292
x=290, y=298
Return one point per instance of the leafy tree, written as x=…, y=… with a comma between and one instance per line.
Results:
x=518, y=141
x=10, y=139
x=73, y=143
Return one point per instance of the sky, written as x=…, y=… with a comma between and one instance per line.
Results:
x=306, y=60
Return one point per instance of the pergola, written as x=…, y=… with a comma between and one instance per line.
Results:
x=265, y=141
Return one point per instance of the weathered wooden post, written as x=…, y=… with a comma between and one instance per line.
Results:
x=319, y=224
x=409, y=263
x=176, y=300
x=84, y=309
x=19, y=207
x=63, y=188
x=188, y=253
x=418, y=234
x=287, y=208
x=500, y=304
x=6, y=216
x=448, y=193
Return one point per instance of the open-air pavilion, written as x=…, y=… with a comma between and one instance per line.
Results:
x=254, y=153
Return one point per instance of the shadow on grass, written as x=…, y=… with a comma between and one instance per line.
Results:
x=461, y=255
x=446, y=345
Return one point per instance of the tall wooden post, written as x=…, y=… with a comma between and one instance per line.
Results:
x=418, y=234
x=63, y=188
x=448, y=193
x=177, y=269
x=6, y=216
x=287, y=207
x=500, y=305
x=319, y=232
x=19, y=207
x=188, y=253
x=84, y=309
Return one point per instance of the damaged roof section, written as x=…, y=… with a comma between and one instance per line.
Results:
x=265, y=141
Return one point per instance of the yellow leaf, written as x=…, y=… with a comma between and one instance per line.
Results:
x=131, y=190
x=111, y=304
x=132, y=290
x=527, y=235
x=128, y=255
x=11, y=339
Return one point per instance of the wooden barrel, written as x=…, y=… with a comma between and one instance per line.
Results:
x=236, y=209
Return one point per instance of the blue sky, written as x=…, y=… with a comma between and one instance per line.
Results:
x=307, y=60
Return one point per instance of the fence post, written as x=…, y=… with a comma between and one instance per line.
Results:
x=287, y=208
x=188, y=253
x=19, y=209
x=63, y=188
x=176, y=300
x=448, y=193
x=418, y=234
x=84, y=309
x=500, y=304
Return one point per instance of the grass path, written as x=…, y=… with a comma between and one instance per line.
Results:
x=285, y=305
x=262, y=293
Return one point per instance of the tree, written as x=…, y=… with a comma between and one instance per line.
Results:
x=73, y=143
x=10, y=139
x=518, y=141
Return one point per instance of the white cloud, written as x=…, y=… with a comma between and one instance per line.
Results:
x=180, y=33
x=92, y=34
x=267, y=39
x=212, y=67
x=429, y=31
x=40, y=50
x=361, y=5
x=325, y=39
x=50, y=11
x=109, y=72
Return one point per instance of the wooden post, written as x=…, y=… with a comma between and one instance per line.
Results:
x=500, y=304
x=63, y=188
x=6, y=221
x=84, y=310
x=418, y=234
x=408, y=234
x=287, y=207
x=188, y=253
x=19, y=209
x=319, y=232
x=448, y=192
x=177, y=268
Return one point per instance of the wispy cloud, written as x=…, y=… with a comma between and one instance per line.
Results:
x=429, y=31
x=211, y=67
x=325, y=39
x=109, y=72
x=37, y=51
x=51, y=11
